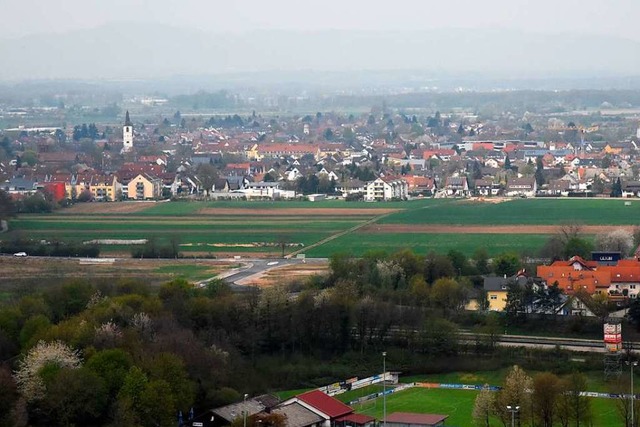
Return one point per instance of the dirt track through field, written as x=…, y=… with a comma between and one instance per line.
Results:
x=485, y=229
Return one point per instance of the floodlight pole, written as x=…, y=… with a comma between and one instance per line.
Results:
x=244, y=411
x=632, y=396
x=384, y=389
x=513, y=411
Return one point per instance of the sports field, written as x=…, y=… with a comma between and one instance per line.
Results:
x=458, y=404
x=224, y=228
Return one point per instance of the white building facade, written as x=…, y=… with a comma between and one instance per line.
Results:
x=383, y=189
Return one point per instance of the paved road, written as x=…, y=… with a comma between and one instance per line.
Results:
x=253, y=268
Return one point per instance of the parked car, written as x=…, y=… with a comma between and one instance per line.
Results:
x=20, y=254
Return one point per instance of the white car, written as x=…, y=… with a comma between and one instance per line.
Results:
x=20, y=254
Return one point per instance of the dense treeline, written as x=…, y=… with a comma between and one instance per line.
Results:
x=154, y=249
x=119, y=353
x=55, y=248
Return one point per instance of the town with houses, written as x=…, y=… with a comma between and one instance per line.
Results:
x=373, y=157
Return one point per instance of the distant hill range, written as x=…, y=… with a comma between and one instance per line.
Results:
x=146, y=51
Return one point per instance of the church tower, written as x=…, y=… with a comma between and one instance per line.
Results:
x=127, y=134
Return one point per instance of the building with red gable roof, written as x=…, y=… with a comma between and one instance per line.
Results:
x=327, y=407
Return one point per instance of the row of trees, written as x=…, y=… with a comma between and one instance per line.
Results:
x=545, y=400
x=548, y=400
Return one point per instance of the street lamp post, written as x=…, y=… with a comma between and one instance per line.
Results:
x=513, y=410
x=244, y=410
x=384, y=389
x=632, y=397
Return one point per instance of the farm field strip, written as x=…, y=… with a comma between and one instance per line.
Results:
x=193, y=236
x=523, y=211
x=181, y=225
x=486, y=229
x=360, y=242
x=190, y=218
x=296, y=212
x=181, y=208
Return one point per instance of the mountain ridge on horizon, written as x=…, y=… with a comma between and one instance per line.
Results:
x=150, y=51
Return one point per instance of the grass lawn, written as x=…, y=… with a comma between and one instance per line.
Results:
x=361, y=392
x=458, y=404
x=188, y=272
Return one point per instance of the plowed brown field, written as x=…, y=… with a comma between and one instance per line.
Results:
x=107, y=207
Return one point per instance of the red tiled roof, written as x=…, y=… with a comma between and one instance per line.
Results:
x=591, y=264
x=325, y=403
x=411, y=418
x=356, y=419
x=482, y=145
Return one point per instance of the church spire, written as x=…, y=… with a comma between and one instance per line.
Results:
x=127, y=120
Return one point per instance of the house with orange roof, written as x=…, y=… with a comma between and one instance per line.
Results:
x=617, y=280
x=612, y=149
x=420, y=184
x=625, y=278
x=443, y=154
x=482, y=146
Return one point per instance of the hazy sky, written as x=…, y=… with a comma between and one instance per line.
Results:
x=613, y=17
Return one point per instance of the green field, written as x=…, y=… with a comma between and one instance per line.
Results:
x=523, y=211
x=458, y=404
x=259, y=227
x=359, y=243
x=191, y=208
